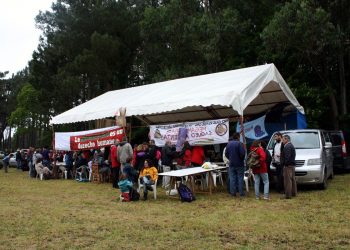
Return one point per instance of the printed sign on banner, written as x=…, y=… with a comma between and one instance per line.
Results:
x=96, y=140
x=197, y=133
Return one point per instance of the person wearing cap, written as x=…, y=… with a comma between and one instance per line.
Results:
x=115, y=164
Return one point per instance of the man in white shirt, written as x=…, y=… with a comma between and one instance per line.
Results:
x=276, y=161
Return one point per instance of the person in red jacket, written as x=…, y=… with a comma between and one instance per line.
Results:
x=260, y=172
x=115, y=164
x=198, y=156
x=185, y=156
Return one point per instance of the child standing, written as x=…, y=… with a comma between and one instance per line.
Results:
x=125, y=185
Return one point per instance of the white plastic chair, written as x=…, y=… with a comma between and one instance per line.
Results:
x=39, y=173
x=166, y=179
x=216, y=175
x=248, y=174
x=154, y=188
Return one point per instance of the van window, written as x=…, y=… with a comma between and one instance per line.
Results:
x=325, y=137
x=303, y=140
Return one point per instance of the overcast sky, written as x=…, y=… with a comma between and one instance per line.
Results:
x=18, y=35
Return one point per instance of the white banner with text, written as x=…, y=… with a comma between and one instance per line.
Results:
x=196, y=133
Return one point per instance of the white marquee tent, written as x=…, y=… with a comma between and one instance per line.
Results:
x=246, y=91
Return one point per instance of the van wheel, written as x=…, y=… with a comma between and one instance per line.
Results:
x=324, y=183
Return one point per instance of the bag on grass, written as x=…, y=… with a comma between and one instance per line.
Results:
x=134, y=195
x=253, y=159
x=185, y=193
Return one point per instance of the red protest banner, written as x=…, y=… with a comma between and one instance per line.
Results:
x=96, y=140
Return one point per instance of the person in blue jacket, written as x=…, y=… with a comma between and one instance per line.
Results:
x=235, y=153
x=6, y=161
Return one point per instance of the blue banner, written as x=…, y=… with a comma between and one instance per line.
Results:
x=254, y=129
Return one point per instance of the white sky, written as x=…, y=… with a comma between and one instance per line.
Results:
x=18, y=35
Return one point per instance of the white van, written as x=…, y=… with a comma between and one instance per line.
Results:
x=314, y=158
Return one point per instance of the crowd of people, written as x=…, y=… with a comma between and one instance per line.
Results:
x=283, y=158
x=129, y=165
x=32, y=160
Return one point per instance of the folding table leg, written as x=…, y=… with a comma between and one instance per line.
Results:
x=210, y=182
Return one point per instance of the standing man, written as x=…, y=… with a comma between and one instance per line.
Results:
x=288, y=162
x=115, y=164
x=152, y=151
x=19, y=159
x=125, y=153
x=168, y=156
x=235, y=152
x=276, y=161
x=30, y=162
x=46, y=157
x=6, y=162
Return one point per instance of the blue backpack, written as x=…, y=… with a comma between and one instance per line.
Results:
x=185, y=193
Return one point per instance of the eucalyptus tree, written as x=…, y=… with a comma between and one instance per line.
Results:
x=4, y=100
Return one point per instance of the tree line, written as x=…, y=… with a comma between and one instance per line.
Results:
x=89, y=47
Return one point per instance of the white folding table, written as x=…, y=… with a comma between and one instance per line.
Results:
x=191, y=172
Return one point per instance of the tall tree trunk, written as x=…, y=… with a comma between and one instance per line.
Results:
x=323, y=74
x=9, y=139
x=343, y=103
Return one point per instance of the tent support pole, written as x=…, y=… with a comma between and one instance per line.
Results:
x=242, y=131
x=55, y=168
x=53, y=138
x=130, y=129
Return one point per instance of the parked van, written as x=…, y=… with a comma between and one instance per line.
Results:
x=314, y=158
x=339, y=148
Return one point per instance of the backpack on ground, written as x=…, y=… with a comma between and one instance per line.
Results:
x=134, y=195
x=253, y=159
x=185, y=193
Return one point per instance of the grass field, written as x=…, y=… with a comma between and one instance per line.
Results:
x=65, y=214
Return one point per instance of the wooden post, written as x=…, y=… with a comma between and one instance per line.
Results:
x=130, y=128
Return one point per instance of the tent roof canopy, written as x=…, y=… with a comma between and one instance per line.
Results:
x=245, y=91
